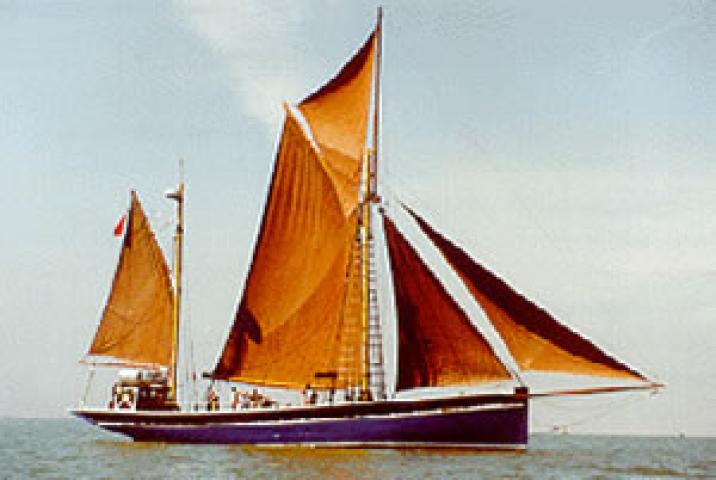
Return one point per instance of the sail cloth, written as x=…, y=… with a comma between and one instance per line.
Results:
x=535, y=339
x=288, y=325
x=338, y=116
x=437, y=343
x=136, y=326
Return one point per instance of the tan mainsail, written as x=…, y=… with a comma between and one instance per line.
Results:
x=288, y=325
x=437, y=343
x=535, y=339
x=136, y=325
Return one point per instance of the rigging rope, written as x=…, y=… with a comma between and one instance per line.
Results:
x=89, y=384
x=606, y=409
x=190, y=365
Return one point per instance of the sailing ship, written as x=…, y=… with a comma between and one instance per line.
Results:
x=309, y=316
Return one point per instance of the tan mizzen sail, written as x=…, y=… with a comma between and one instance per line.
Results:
x=288, y=324
x=136, y=325
x=437, y=343
x=535, y=339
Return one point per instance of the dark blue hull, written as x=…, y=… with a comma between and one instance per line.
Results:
x=476, y=424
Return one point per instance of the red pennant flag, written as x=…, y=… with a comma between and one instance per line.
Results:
x=120, y=226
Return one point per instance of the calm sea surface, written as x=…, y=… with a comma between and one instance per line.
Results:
x=72, y=449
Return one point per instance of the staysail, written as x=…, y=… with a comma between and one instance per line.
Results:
x=437, y=343
x=136, y=325
x=536, y=340
x=288, y=325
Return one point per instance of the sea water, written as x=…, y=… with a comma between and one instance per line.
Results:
x=69, y=448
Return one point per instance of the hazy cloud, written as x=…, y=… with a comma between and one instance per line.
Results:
x=257, y=41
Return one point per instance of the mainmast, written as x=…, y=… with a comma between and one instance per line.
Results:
x=177, y=196
x=373, y=163
x=372, y=337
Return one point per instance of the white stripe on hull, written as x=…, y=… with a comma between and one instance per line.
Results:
x=298, y=421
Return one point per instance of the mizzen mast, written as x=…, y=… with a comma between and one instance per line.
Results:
x=177, y=196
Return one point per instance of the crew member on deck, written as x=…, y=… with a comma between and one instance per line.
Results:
x=256, y=398
x=212, y=399
x=234, y=398
x=126, y=398
x=116, y=392
x=309, y=395
x=244, y=399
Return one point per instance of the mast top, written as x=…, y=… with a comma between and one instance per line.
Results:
x=178, y=194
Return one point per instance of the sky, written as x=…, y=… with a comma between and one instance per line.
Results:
x=567, y=145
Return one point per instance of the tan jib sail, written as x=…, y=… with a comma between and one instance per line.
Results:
x=136, y=326
x=535, y=339
x=437, y=343
x=289, y=322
